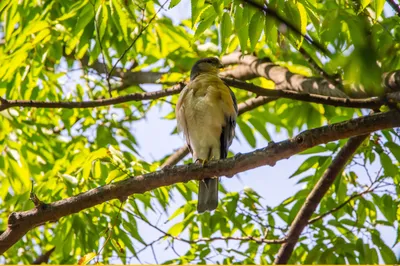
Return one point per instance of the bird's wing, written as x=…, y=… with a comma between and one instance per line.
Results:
x=230, y=114
x=180, y=115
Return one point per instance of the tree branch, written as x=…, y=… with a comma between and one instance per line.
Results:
x=373, y=102
x=19, y=223
x=5, y=104
x=252, y=67
x=44, y=258
x=315, y=196
x=395, y=6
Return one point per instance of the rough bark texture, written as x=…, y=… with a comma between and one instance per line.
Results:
x=250, y=67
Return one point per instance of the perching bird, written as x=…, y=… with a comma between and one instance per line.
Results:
x=206, y=113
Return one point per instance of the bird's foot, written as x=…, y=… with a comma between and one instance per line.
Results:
x=201, y=161
x=32, y=196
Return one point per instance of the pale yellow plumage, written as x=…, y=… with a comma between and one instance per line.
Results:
x=206, y=113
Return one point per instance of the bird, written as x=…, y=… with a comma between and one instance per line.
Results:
x=206, y=113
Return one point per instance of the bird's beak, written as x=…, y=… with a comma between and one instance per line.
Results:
x=220, y=66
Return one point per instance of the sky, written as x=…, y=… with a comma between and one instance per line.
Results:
x=273, y=183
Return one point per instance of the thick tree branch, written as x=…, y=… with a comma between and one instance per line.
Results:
x=243, y=107
x=19, y=223
x=315, y=196
x=251, y=67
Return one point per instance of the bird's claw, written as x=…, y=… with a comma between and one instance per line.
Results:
x=203, y=162
x=34, y=198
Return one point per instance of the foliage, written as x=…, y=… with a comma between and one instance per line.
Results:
x=80, y=50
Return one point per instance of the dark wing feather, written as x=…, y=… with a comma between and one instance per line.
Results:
x=228, y=131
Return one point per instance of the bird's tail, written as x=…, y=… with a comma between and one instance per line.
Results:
x=208, y=195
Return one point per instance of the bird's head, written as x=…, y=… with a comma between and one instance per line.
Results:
x=206, y=65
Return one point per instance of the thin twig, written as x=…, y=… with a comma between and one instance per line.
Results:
x=209, y=239
x=154, y=254
x=110, y=231
x=5, y=104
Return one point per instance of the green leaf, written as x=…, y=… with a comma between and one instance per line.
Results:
x=389, y=208
x=247, y=133
x=218, y=6
x=86, y=258
x=271, y=32
x=306, y=165
x=255, y=29
x=315, y=149
x=394, y=149
x=178, y=212
x=378, y=6
x=176, y=229
x=298, y=16
x=197, y=6
x=173, y=3
x=104, y=136
x=260, y=127
x=240, y=24
x=389, y=168
x=225, y=30
x=132, y=228
x=102, y=20
x=122, y=18
x=364, y=4
x=388, y=255
x=205, y=24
